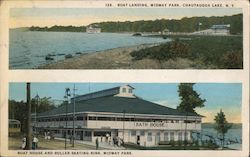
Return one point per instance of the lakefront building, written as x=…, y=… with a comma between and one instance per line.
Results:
x=220, y=29
x=93, y=29
x=118, y=113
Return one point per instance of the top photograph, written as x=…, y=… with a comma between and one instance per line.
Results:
x=126, y=38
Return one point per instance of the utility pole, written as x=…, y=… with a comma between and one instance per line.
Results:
x=74, y=102
x=67, y=94
x=28, y=109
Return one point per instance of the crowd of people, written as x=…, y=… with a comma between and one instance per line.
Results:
x=112, y=141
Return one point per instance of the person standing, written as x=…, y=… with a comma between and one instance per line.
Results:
x=24, y=143
x=35, y=141
x=97, y=143
x=45, y=135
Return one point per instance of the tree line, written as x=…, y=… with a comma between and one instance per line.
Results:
x=183, y=25
x=59, y=29
x=17, y=109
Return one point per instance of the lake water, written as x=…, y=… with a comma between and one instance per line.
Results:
x=233, y=134
x=28, y=49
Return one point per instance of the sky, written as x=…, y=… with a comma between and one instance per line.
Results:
x=26, y=17
x=225, y=96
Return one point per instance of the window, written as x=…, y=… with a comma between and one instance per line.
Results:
x=149, y=138
x=124, y=90
x=130, y=90
x=104, y=118
x=133, y=133
x=158, y=134
x=142, y=132
x=119, y=119
x=79, y=118
x=102, y=133
x=186, y=135
x=92, y=118
x=166, y=136
x=172, y=136
x=180, y=136
x=87, y=133
x=126, y=119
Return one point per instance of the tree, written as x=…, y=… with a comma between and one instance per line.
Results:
x=221, y=126
x=18, y=111
x=190, y=99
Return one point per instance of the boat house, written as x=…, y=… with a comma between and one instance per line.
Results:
x=118, y=113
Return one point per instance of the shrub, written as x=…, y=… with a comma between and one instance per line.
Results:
x=163, y=52
x=172, y=143
x=233, y=60
x=179, y=143
x=196, y=143
x=164, y=143
x=207, y=51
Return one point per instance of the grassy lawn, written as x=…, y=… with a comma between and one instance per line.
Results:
x=16, y=142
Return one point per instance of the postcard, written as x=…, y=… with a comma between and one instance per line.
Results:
x=124, y=78
x=127, y=36
x=120, y=116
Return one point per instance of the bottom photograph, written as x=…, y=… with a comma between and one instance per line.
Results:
x=120, y=116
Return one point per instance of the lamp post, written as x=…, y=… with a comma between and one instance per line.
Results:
x=36, y=105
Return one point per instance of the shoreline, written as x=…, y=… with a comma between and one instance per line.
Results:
x=116, y=58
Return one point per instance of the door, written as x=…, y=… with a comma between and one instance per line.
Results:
x=157, y=138
x=138, y=140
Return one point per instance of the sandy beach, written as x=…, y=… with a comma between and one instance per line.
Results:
x=118, y=58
